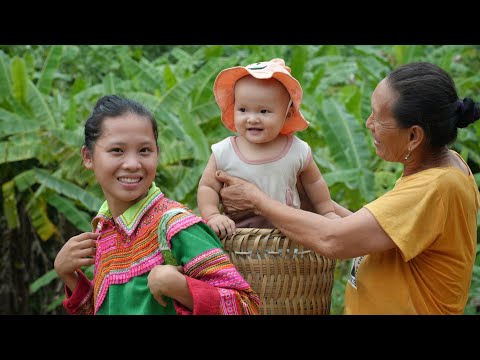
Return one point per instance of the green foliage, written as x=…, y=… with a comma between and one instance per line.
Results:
x=5, y=82
x=9, y=204
x=47, y=92
x=19, y=80
x=43, y=281
x=67, y=207
x=50, y=67
x=342, y=271
x=473, y=304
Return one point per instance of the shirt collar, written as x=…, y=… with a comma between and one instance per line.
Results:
x=129, y=220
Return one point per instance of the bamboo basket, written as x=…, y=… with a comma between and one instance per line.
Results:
x=289, y=279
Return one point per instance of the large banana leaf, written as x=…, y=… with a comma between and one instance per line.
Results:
x=169, y=124
x=18, y=73
x=145, y=73
x=85, y=96
x=68, y=189
x=38, y=105
x=188, y=184
x=179, y=95
x=12, y=152
x=5, y=82
x=109, y=83
x=169, y=77
x=404, y=54
x=71, y=117
x=25, y=179
x=172, y=152
x=196, y=136
x=12, y=123
x=49, y=69
x=10, y=204
x=43, y=280
x=347, y=144
x=205, y=111
x=37, y=209
x=298, y=61
x=65, y=206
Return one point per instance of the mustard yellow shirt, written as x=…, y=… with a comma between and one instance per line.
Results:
x=432, y=218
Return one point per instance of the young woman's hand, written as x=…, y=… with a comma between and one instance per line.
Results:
x=78, y=251
x=169, y=280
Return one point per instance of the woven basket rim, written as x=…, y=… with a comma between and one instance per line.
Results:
x=288, y=278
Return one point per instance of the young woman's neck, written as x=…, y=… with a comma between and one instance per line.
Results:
x=118, y=207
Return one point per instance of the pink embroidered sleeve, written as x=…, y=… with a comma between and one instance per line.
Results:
x=80, y=302
x=206, y=299
x=217, y=287
x=214, y=283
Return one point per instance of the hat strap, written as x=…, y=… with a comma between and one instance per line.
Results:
x=288, y=107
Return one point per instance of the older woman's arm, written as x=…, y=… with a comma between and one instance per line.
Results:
x=340, y=210
x=306, y=204
x=355, y=235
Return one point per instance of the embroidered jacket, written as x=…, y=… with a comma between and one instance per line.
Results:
x=128, y=248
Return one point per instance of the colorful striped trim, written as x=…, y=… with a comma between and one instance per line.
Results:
x=121, y=256
x=122, y=276
x=129, y=220
x=180, y=221
x=164, y=222
x=214, y=267
x=86, y=305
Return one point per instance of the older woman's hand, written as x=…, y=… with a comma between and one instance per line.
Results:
x=237, y=195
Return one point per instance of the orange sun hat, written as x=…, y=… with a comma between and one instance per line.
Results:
x=224, y=86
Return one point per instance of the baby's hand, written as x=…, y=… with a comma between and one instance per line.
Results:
x=222, y=225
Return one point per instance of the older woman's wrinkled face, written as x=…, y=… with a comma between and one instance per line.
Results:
x=389, y=139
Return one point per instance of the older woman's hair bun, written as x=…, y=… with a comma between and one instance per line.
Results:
x=468, y=112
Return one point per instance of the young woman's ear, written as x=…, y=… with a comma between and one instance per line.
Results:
x=87, y=157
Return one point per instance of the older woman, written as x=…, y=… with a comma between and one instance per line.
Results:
x=414, y=247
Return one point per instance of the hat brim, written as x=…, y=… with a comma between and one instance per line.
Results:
x=223, y=90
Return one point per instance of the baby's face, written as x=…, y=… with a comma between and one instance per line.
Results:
x=260, y=108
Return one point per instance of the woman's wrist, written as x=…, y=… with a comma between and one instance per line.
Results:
x=70, y=280
x=258, y=199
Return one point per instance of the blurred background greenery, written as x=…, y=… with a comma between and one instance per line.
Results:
x=47, y=92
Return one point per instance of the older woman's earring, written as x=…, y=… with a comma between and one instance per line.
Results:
x=408, y=155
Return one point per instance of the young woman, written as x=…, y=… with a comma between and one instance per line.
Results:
x=152, y=255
